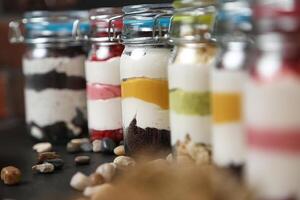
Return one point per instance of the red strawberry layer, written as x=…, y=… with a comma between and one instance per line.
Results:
x=116, y=135
x=274, y=140
x=102, y=91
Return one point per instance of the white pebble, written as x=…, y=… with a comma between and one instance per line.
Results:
x=119, y=150
x=42, y=147
x=89, y=191
x=107, y=170
x=123, y=162
x=80, y=141
x=44, y=168
x=97, y=145
x=79, y=181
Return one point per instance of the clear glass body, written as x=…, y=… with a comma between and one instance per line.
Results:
x=189, y=93
x=272, y=117
x=104, y=91
x=55, y=92
x=145, y=108
x=227, y=82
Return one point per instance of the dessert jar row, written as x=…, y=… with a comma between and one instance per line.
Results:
x=53, y=66
x=127, y=88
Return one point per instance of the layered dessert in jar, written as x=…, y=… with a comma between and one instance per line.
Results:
x=227, y=82
x=189, y=79
x=53, y=66
x=102, y=70
x=55, y=93
x=145, y=104
x=189, y=91
x=273, y=122
x=272, y=103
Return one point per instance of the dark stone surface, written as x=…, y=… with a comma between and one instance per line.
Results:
x=16, y=149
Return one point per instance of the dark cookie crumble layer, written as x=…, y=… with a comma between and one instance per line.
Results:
x=59, y=133
x=54, y=80
x=150, y=141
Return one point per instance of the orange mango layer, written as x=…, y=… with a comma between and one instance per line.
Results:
x=226, y=107
x=149, y=90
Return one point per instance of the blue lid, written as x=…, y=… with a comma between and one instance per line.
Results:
x=46, y=26
x=234, y=16
x=54, y=27
x=148, y=22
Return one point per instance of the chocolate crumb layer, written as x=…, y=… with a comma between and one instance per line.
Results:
x=150, y=141
x=59, y=133
x=55, y=80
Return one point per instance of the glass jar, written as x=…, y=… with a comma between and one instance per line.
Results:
x=53, y=66
x=189, y=91
x=102, y=69
x=272, y=111
x=145, y=107
x=228, y=77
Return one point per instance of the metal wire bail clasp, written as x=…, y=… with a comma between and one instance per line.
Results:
x=76, y=31
x=157, y=28
x=15, y=34
x=113, y=35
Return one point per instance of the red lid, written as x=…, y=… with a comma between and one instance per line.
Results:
x=277, y=15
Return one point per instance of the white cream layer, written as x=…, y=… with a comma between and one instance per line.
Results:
x=189, y=77
x=228, y=81
x=105, y=114
x=228, y=144
x=104, y=72
x=274, y=104
x=145, y=62
x=73, y=66
x=198, y=127
x=147, y=114
x=51, y=105
x=273, y=175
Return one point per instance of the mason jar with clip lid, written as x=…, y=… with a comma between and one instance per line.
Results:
x=145, y=106
x=233, y=31
x=102, y=69
x=189, y=91
x=272, y=96
x=53, y=66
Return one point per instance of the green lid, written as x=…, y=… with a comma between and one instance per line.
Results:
x=193, y=3
x=193, y=21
